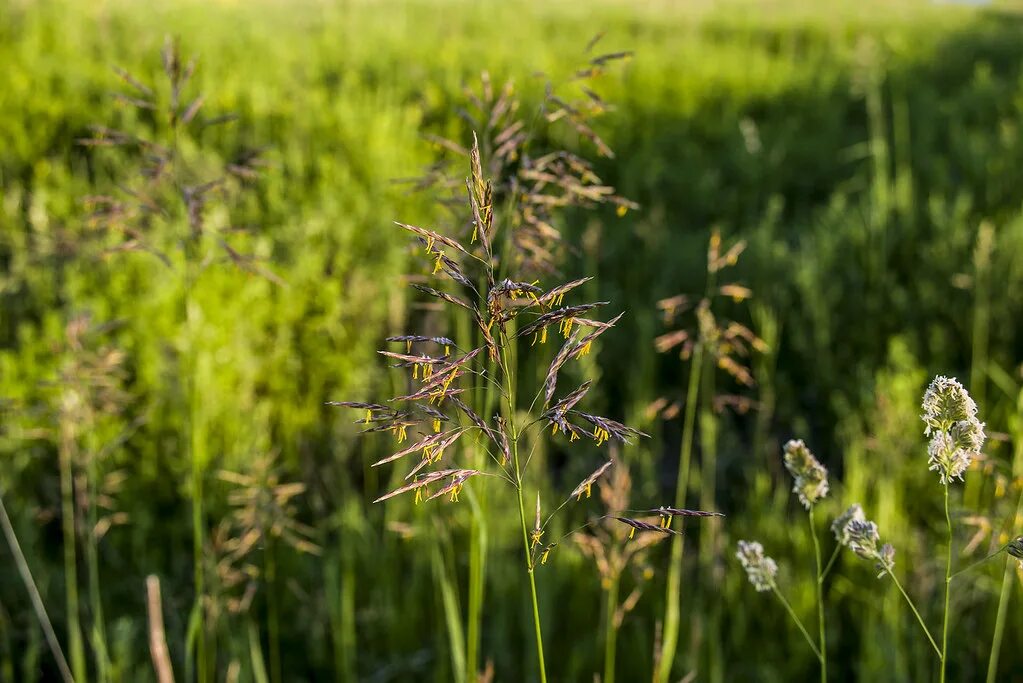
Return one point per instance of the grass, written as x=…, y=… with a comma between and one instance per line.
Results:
x=858, y=151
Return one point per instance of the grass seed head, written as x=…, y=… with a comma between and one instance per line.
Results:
x=950, y=419
x=760, y=569
x=810, y=477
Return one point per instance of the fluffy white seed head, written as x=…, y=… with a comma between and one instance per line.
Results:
x=760, y=569
x=956, y=435
x=810, y=477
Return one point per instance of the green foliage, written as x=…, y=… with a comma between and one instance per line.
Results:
x=857, y=149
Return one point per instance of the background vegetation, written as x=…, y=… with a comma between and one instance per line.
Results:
x=870, y=153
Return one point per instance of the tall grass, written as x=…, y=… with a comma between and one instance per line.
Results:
x=856, y=150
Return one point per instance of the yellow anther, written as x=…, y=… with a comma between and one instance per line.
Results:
x=546, y=554
x=419, y=495
x=632, y=533
x=415, y=371
x=369, y=415
x=436, y=425
x=408, y=346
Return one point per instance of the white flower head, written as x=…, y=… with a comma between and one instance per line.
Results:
x=760, y=569
x=809, y=475
x=861, y=536
x=946, y=402
x=855, y=512
x=957, y=436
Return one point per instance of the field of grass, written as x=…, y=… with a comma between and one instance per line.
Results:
x=869, y=153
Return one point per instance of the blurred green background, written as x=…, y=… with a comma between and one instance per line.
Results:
x=869, y=152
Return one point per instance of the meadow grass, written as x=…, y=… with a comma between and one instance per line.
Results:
x=867, y=153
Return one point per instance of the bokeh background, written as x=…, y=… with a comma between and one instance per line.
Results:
x=870, y=153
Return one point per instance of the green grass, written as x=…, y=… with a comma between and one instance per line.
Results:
x=856, y=148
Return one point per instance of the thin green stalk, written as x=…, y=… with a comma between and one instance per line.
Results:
x=611, y=631
x=532, y=578
x=68, y=527
x=477, y=521
x=916, y=612
x=674, y=588
x=196, y=464
x=948, y=586
x=1003, y=608
x=509, y=387
x=831, y=562
x=273, y=618
x=477, y=562
x=443, y=578
x=979, y=562
x=33, y=594
x=802, y=629
x=820, y=601
x=99, y=634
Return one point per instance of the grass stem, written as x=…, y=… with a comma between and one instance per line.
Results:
x=820, y=601
x=916, y=612
x=948, y=587
x=674, y=589
x=33, y=594
x=802, y=629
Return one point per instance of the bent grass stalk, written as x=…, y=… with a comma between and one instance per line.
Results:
x=916, y=613
x=33, y=592
x=799, y=623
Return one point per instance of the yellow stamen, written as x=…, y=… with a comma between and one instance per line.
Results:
x=369, y=415
x=415, y=371
x=436, y=425
x=632, y=533
x=447, y=350
x=408, y=346
x=546, y=554
x=554, y=429
x=454, y=493
x=543, y=336
x=429, y=244
x=587, y=347
x=419, y=495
